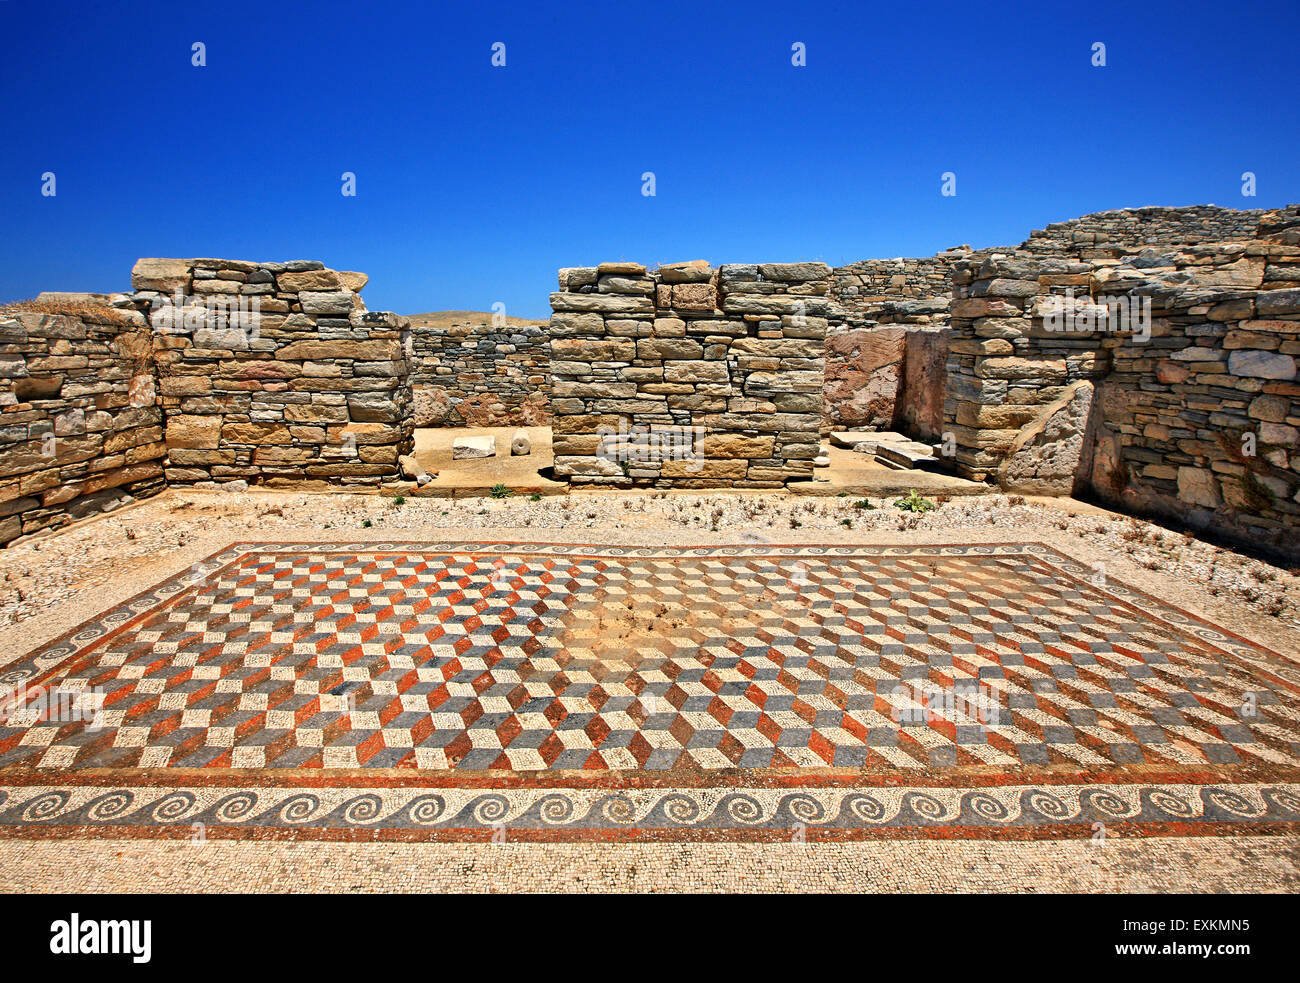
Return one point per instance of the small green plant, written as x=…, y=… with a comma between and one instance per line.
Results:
x=399, y=499
x=627, y=468
x=915, y=503
x=863, y=505
x=501, y=491
x=846, y=522
x=842, y=495
x=795, y=523
x=534, y=497
x=366, y=523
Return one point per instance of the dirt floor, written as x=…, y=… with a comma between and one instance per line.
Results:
x=477, y=477
x=861, y=474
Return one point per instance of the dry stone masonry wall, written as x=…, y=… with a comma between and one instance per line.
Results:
x=211, y=371
x=310, y=386
x=689, y=376
x=886, y=370
x=80, y=422
x=227, y=372
x=1130, y=231
x=475, y=374
x=1055, y=387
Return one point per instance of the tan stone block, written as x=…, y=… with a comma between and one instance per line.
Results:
x=1010, y=367
x=695, y=297
x=365, y=433
x=694, y=271
x=256, y=433
x=272, y=454
x=378, y=453
x=657, y=349
x=972, y=307
x=194, y=432
x=703, y=468
x=123, y=439
x=695, y=371
x=163, y=275
x=576, y=444
x=315, y=413
x=588, y=423
x=621, y=268
x=185, y=385
x=146, y=452
x=37, y=481
x=593, y=350
x=735, y=446
x=361, y=351
x=316, y=280
x=186, y=456
x=996, y=417
x=211, y=287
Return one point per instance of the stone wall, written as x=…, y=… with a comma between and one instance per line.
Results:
x=886, y=301
x=689, y=376
x=1054, y=388
x=80, y=422
x=309, y=386
x=1129, y=231
x=898, y=291
x=475, y=374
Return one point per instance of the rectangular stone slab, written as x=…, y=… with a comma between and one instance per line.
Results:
x=468, y=448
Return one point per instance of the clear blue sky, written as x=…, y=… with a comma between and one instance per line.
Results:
x=475, y=183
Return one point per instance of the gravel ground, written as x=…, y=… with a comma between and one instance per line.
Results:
x=41, y=573
x=1238, y=865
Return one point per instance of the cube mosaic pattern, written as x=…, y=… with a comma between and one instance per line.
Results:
x=706, y=688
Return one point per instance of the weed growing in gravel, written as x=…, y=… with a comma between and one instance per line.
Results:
x=863, y=505
x=366, y=523
x=499, y=490
x=399, y=500
x=915, y=503
x=534, y=497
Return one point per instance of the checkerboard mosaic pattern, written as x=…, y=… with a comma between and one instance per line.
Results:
x=708, y=682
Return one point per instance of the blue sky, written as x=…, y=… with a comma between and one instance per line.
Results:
x=475, y=183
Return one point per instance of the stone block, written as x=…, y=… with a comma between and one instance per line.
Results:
x=473, y=448
x=1262, y=364
x=327, y=302
x=194, y=432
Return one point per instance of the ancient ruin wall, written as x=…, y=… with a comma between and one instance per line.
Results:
x=889, y=303
x=688, y=376
x=80, y=422
x=475, y=374
x=315, y=387
x=1199, y=421
x=1128, y=231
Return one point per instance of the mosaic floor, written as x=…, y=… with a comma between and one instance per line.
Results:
x=451, y=690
